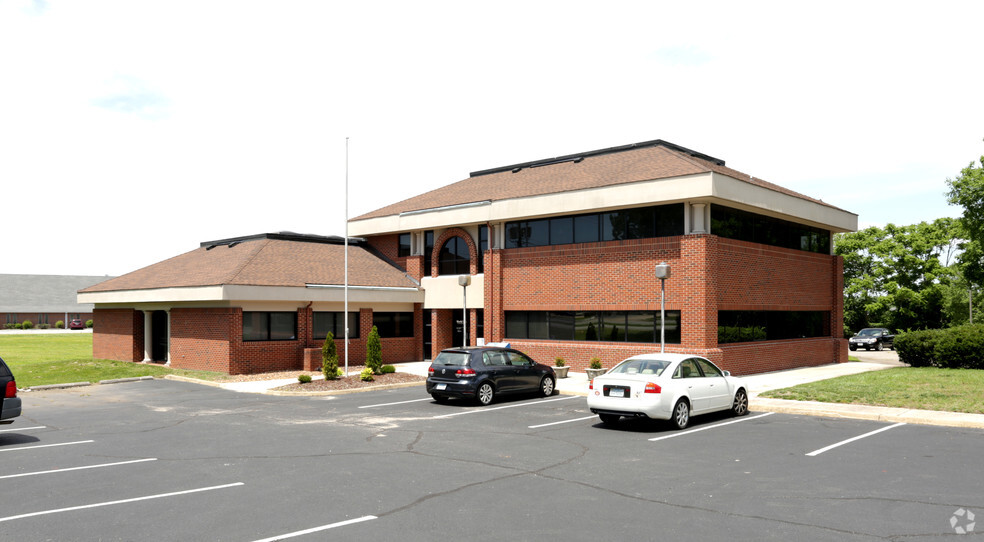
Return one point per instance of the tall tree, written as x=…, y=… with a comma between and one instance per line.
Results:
x=896, y=276
x=967, y=191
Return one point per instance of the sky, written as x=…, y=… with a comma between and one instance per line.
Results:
x=132, y=131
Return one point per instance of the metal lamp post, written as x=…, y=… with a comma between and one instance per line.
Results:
x=662, y=273
x=464, y=281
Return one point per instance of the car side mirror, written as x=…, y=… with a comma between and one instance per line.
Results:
x=727, y=373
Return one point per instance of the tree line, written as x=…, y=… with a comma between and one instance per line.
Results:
x=920, y=276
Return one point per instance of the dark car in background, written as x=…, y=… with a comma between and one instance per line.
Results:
x=10, y=404
x=483, y=372
x=872, y=338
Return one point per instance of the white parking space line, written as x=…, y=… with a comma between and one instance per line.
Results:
x=77, y=468
x=558, y=423
x=22, y=429
x=316, y=529
x=490, y=409
x=124, y=501
x=859, y=437
x=45, y=446
x=699, y=429
x=398, y=403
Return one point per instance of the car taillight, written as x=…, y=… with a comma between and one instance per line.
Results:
x=11, y=390
x=430, y=371
x=590, y=384
x=652, y=387
x=464, y=373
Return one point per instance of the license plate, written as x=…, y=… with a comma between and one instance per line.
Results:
x=619, y=392
x=440, y=386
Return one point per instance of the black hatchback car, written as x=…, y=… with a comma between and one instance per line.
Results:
x=483, y=372
x=10, y=404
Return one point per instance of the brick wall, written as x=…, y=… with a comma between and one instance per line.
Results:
x=118, y=335
x=200, y=338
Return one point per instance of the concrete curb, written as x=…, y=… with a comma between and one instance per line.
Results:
x=866, y=412
x=59, y=386
x=193, y=380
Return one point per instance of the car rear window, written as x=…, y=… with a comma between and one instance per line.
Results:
x=452, y=358
x=641, y=366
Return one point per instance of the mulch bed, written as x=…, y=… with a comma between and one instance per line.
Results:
x=351, y=382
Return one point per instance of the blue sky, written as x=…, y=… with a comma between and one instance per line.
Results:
x=132, y=131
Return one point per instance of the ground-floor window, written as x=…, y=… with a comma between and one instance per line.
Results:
x=748, y=326
x=393, y=324
x=587, y=326
x=269, y=326
x=335, y=323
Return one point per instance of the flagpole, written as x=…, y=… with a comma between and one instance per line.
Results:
x=346, y=313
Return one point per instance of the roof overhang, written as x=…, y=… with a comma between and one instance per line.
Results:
x=707, y=187
x=230, y=293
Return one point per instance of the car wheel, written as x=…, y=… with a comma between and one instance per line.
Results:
x=681, y=414
x=609, y=419
x=440, y=398
x=547, y=386
x=853, y=348
x=878, y=347
x=740, y=406
x=485, y=394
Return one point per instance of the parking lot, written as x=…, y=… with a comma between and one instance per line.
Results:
x=167, y=460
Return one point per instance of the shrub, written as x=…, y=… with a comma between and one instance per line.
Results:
x=366, y=375
x=27, y=324
x=388, y=369
x=596, y=363
x=559, y=361
x=961, y=347
x=374, y=352
x=43, y=326
x=329, y=358
x=60, y=325
x=88, y=323
x=918, y=348
x=304, y=379
x=10, y=325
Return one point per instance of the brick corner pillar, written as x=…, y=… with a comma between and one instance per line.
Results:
x=418, y=331
x=694, y=287
x=415, y=267
x=837, y=312
x=495, y=325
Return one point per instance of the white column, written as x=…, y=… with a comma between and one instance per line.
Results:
x=697, y=213
x=167, y=356
x=148, y=335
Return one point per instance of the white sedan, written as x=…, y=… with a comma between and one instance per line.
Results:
x=665, y=387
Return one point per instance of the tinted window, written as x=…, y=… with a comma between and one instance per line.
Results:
x=586, y=229
x=562, y=230
x=452, y=358
x=403, y=248
x=454, y=257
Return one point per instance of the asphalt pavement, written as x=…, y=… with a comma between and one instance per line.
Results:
x=577, y=384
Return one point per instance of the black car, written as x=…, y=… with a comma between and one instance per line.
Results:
x=10, y=404
x=876, y=338
x=483, y=372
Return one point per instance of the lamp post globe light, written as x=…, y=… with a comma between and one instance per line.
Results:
x=662, y=273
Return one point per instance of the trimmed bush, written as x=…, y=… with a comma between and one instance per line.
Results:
x=43, y=326
x=961, y=347
x=10, y=325
x=60, y=325
x=304, y=379
x=374, y=352
x=596, y=363
x=329, y=358
x=88, y=323
x=27, y=324
x=366, y=375
x=918, y=348
x=559, y=361
x=388, y=369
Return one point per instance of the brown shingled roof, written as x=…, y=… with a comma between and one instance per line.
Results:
x=595, y=169
x=262, y=261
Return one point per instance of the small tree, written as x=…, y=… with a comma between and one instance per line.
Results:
x=374, y=352
x=329, y=358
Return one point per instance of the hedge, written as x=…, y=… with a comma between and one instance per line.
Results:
x=960, y=347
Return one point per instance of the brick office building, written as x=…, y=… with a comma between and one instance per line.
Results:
x=560, y=255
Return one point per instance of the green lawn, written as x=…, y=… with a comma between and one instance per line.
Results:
x=61, y=358
x=927, y=388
